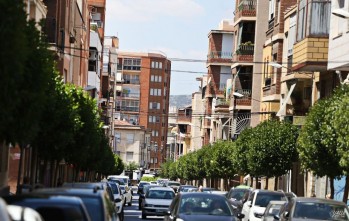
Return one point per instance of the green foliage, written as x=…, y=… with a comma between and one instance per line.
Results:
x=13, y=55
x=317, y=143
x=131, y=166
x=272, y=149
x=240, y=150
x=222, y=162
x=148, y=178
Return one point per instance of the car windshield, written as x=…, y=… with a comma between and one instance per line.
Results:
x=173, y=184
x=237, y=194
x=160, y=194
x=263, y=199
x=323, y=211
x=205, y=205
x=143, y=184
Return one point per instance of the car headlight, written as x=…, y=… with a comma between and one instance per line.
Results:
x=258, y=215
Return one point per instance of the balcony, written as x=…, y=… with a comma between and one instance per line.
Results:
x=310, y=54
x=219, y=57
x=244, y=53
x=246, y=99
x=184, y=119
x=222, y=105
x=246, y=8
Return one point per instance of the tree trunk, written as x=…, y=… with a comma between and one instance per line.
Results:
x=43, y=172
x=332, y=187
x=346, y=188
x=55, y=177
x=33, y=166
x=276, y=183
x=266, y=183
x=251, y=181
x=52, y=171
x=19, y=175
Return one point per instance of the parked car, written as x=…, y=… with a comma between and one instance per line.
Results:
x=96, y=186
x=142, y=195
x=254, y=207
x=52, y=208
x=21, y=213
x=173, y=184
x=302, y=208
x=119, y=197
x=126, y=191
x=157, y=200
x=272, y=209
x=200, y=206
x=98, y=203
x=141, y=185
x=236, y=197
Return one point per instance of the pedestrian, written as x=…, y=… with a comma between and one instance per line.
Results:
x=200, y=188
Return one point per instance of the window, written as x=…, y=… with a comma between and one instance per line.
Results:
x=130, y=138
x=341, y=3
x=301, y=20
x=129, y=105
x=271, y=9
x=131, y=79
x=307, y=93
x=133, y=64
x=155, y=133
x=117, y=137
x=155, y=78
x=156, y=65
x=154, y=119
x=129, y=156
x=154, y=105
x=155, y=92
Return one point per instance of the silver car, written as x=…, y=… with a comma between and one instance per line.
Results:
x=157, y=200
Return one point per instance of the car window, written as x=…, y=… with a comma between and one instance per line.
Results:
x=205, y=205
x=263, y=199
x=323, y=211
x=114, y=188
x=94, y=207
x=273, y=210
x=160, y=194
x=237, y=194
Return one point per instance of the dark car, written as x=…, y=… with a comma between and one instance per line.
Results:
x=142, y=195
x=98, y=203
x=313, y=209
x=141, y=185
x=200, y=206
x=236, y=197
x=52, y=208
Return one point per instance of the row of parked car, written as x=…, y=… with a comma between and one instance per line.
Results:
x=99, y=201
x=186, y=202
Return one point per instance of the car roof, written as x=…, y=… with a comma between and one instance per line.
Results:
x=268, y=191
x=318, y=200
x=193, y=194
x=162, y=188
x=70, y=191
x=277, y=202
x=54, y=199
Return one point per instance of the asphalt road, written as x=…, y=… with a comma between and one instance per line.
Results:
x=132, y=213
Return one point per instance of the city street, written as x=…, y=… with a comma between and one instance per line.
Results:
x=132, y=213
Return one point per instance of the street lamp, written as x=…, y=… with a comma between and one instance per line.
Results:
x=340, y=13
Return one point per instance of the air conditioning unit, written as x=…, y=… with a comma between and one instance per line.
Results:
x=92, y=55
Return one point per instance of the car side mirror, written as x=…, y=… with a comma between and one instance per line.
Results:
x=286, y=214
x=117, y=200
x=167, y=213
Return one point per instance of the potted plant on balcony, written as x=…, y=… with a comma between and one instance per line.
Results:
x=245, y=48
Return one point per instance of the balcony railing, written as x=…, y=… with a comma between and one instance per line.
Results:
x=219, y=56
x=246, y=8
x=244, y=53
x=246, y=99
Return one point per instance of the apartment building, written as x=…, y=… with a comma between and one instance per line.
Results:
x=246, y=46
x=67, y=28
x=338, y=56
x=219, y=61
x=142, y=97
x=130, y=142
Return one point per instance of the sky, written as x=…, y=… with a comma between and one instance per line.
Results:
x=175, y=28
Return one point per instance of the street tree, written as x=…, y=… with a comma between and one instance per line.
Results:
x=317, y=143
x=272, y=149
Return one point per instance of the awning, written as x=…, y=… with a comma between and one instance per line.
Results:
x=284, y=103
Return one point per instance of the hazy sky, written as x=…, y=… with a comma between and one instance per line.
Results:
x=176, y=28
